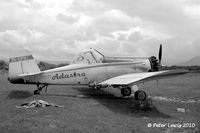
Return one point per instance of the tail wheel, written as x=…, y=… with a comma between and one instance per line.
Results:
x=140, y=95
x=39, y=88
x=36, y=92
x=126, y=91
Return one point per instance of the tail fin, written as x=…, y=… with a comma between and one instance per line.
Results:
x=22, y=64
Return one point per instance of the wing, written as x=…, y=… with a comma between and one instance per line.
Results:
x=136, y=78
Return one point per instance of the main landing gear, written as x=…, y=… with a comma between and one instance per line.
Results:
x=39, y=88
x=138, y=94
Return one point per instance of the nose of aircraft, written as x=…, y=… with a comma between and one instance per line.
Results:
x=143, y=65
x=156, y=62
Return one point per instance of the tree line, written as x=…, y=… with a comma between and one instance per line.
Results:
x=190, y=68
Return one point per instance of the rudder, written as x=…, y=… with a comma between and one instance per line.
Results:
x=22, y=64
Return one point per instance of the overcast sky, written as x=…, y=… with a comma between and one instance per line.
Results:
x=59, y=29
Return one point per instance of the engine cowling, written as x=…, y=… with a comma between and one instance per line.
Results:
x=154, y=64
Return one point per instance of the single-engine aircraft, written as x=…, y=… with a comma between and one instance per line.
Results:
x=120, y=75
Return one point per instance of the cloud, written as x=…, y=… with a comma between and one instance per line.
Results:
x=88, y=7
x=111, y=21
x=66, y=18
x=135, y=36
x=60, y=29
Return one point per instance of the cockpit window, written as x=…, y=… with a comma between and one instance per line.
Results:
x=89, y=57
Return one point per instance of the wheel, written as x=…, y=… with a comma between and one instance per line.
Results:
x=140, y=95
x=36, y=92
x=126, y=91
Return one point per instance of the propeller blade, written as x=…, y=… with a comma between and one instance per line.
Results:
x=160, y=54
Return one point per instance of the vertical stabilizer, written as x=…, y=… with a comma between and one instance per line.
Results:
x=23, y=63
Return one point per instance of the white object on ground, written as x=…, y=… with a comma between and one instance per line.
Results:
x=182, y=110
x=37, y=103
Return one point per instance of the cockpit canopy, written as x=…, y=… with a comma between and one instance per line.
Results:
x=91, y=56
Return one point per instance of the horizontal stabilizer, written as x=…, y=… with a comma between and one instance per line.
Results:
x=29, y=74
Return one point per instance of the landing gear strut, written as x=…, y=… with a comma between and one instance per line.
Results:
x=39, y=88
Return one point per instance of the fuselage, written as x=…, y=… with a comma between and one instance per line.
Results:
x=84, y=74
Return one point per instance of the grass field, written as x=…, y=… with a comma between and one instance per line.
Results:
x=87, y=111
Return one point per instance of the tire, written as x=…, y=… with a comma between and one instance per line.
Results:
x=140, y=95
x=126, y=91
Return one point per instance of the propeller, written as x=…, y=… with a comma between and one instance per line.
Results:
x=160, y=55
